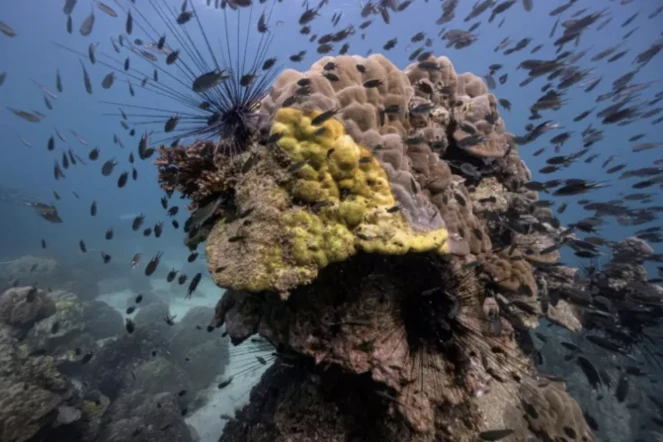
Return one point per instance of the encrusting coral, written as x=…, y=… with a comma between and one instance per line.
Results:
x=387, y=209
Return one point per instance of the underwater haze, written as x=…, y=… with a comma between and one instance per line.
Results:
x=393, y=220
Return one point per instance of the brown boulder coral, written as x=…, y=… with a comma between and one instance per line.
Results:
x=364, y=204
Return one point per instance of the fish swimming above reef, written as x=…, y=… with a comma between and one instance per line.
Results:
x=48, y=212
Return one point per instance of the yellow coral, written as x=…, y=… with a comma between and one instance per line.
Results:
x=342, y=203
x=365, y=217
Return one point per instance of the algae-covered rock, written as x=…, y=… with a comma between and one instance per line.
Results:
x=21, y=307
x=65, y=324
x=111, y=367
x=137, y=416
x=151, y=314
x=346, y=206
x=381, y=225
x=159, y=375
x=32, y=390
x=202, y=355
x=101, y=320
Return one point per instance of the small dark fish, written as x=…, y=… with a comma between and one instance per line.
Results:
x=373, y=83
x=171, y=275
x=193, y=284
x=94, y=154
x=87, y=358
x=129, y=25
x=130, y=325
x=181, y=279
x=158, y=229
x=171, y=124
x=43, y=243
x=108, y=80
x=320, y=119
x=590, y=371
x=170, y=320
x=225, y=383
x=209, y=80
x=622, y=389
x=297, y=166
x=69, y=6
x=137, y=222
x=152, y=265
x=82, y=246
x=122, y=179
x=495, y=435
x=569, y=346
x=86, y=79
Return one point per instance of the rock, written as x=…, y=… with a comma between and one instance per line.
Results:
x=111, y=367
x=123, y=282
x=83, y=284
x=67, y=415
x=206, y=361
x=102, y=320
x=159, y=375
x=631, y=250
x=138, y=417
x=21, y=307
x=32, y=390
x=207, y=352
x=148, y=299
x=46, y=272
x=151, y=314
x=91, y=419
x=64, y=325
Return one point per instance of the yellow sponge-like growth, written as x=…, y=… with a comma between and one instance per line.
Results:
x=331, y=199
x=351, y=203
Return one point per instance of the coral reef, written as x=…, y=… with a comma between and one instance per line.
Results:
x=146, y=418
x=102, y=321
x=21, y=307
x=378, y=233
x=48, y=273
x=35, y=395
x=59, y=383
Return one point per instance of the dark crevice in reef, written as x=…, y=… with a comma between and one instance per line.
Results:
x=323, y=403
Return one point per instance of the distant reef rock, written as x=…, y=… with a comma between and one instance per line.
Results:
x=72, y=371
x=47, y=273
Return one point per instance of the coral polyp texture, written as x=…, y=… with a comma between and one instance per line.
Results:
x=379, y=224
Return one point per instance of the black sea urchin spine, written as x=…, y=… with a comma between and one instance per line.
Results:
x=217, y=90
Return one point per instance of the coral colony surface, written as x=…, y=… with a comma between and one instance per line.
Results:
x=367, y=234
x=379, y=233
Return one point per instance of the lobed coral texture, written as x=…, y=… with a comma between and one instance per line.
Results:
x=332, y=200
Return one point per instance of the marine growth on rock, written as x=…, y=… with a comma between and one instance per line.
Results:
x=379, y=224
